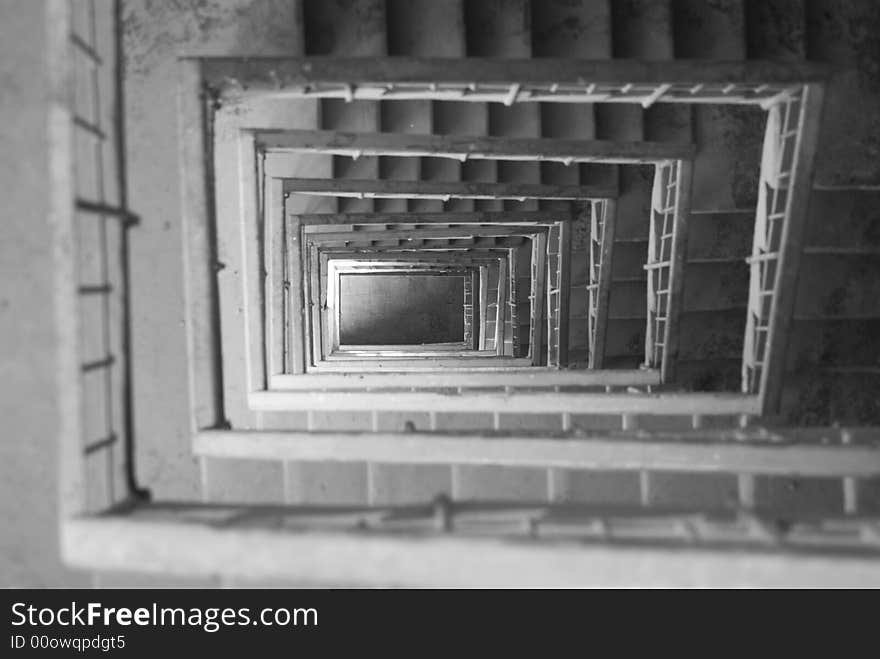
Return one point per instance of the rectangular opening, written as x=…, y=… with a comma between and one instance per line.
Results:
x=405, y=309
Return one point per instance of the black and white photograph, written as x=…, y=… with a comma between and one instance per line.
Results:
x=433, y=294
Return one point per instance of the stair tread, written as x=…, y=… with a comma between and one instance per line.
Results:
x=843, y=33
x=776, y=29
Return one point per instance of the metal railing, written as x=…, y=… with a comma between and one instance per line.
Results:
x=667, y=239
x=778, y=161
x=659, y=261
x=601, y=241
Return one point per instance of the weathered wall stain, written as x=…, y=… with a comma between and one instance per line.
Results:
x=157, y=29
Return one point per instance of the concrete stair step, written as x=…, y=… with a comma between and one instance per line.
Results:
x=628, y=297
x=634, y=202
x=832, y=285
x=636, y=34
x=776, y=29
x=840, y=343
x=625, y=338
x=307, y=113
x=498, y=28
x=572, y=28
x=710, y=349
x=720, y=235
x=709, y=29
x=669, y=122
x=493, y=29
x=426, y=29
x=578, y=358
x=643, y=29
x=723, y=374
x=822, y=397
x=501, y=28
x=462, y=119
x=842, y=285
x=629, y=260
x=522, y=120
x=713, y=335
x=349, y=29
x=405, y=117
x=728, y=137
x=436, y=29
x=727, y=164
x=345, y=28
x=582, y=29
x=578, y=300
x=845, y=34
x=844, y=218
x=615, y=362
x=715, y=286
x=578, y=338
x=716, y=289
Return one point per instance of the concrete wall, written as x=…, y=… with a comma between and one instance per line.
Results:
x=400, y=309
x=155, y=34
x=29, y=396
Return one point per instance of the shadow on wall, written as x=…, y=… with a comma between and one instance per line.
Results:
x=401, y=309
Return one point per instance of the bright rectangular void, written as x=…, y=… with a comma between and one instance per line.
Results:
x=404, y=309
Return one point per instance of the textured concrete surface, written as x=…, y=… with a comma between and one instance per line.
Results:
x=30, y=401
x=847, y=33
x=401, y=309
